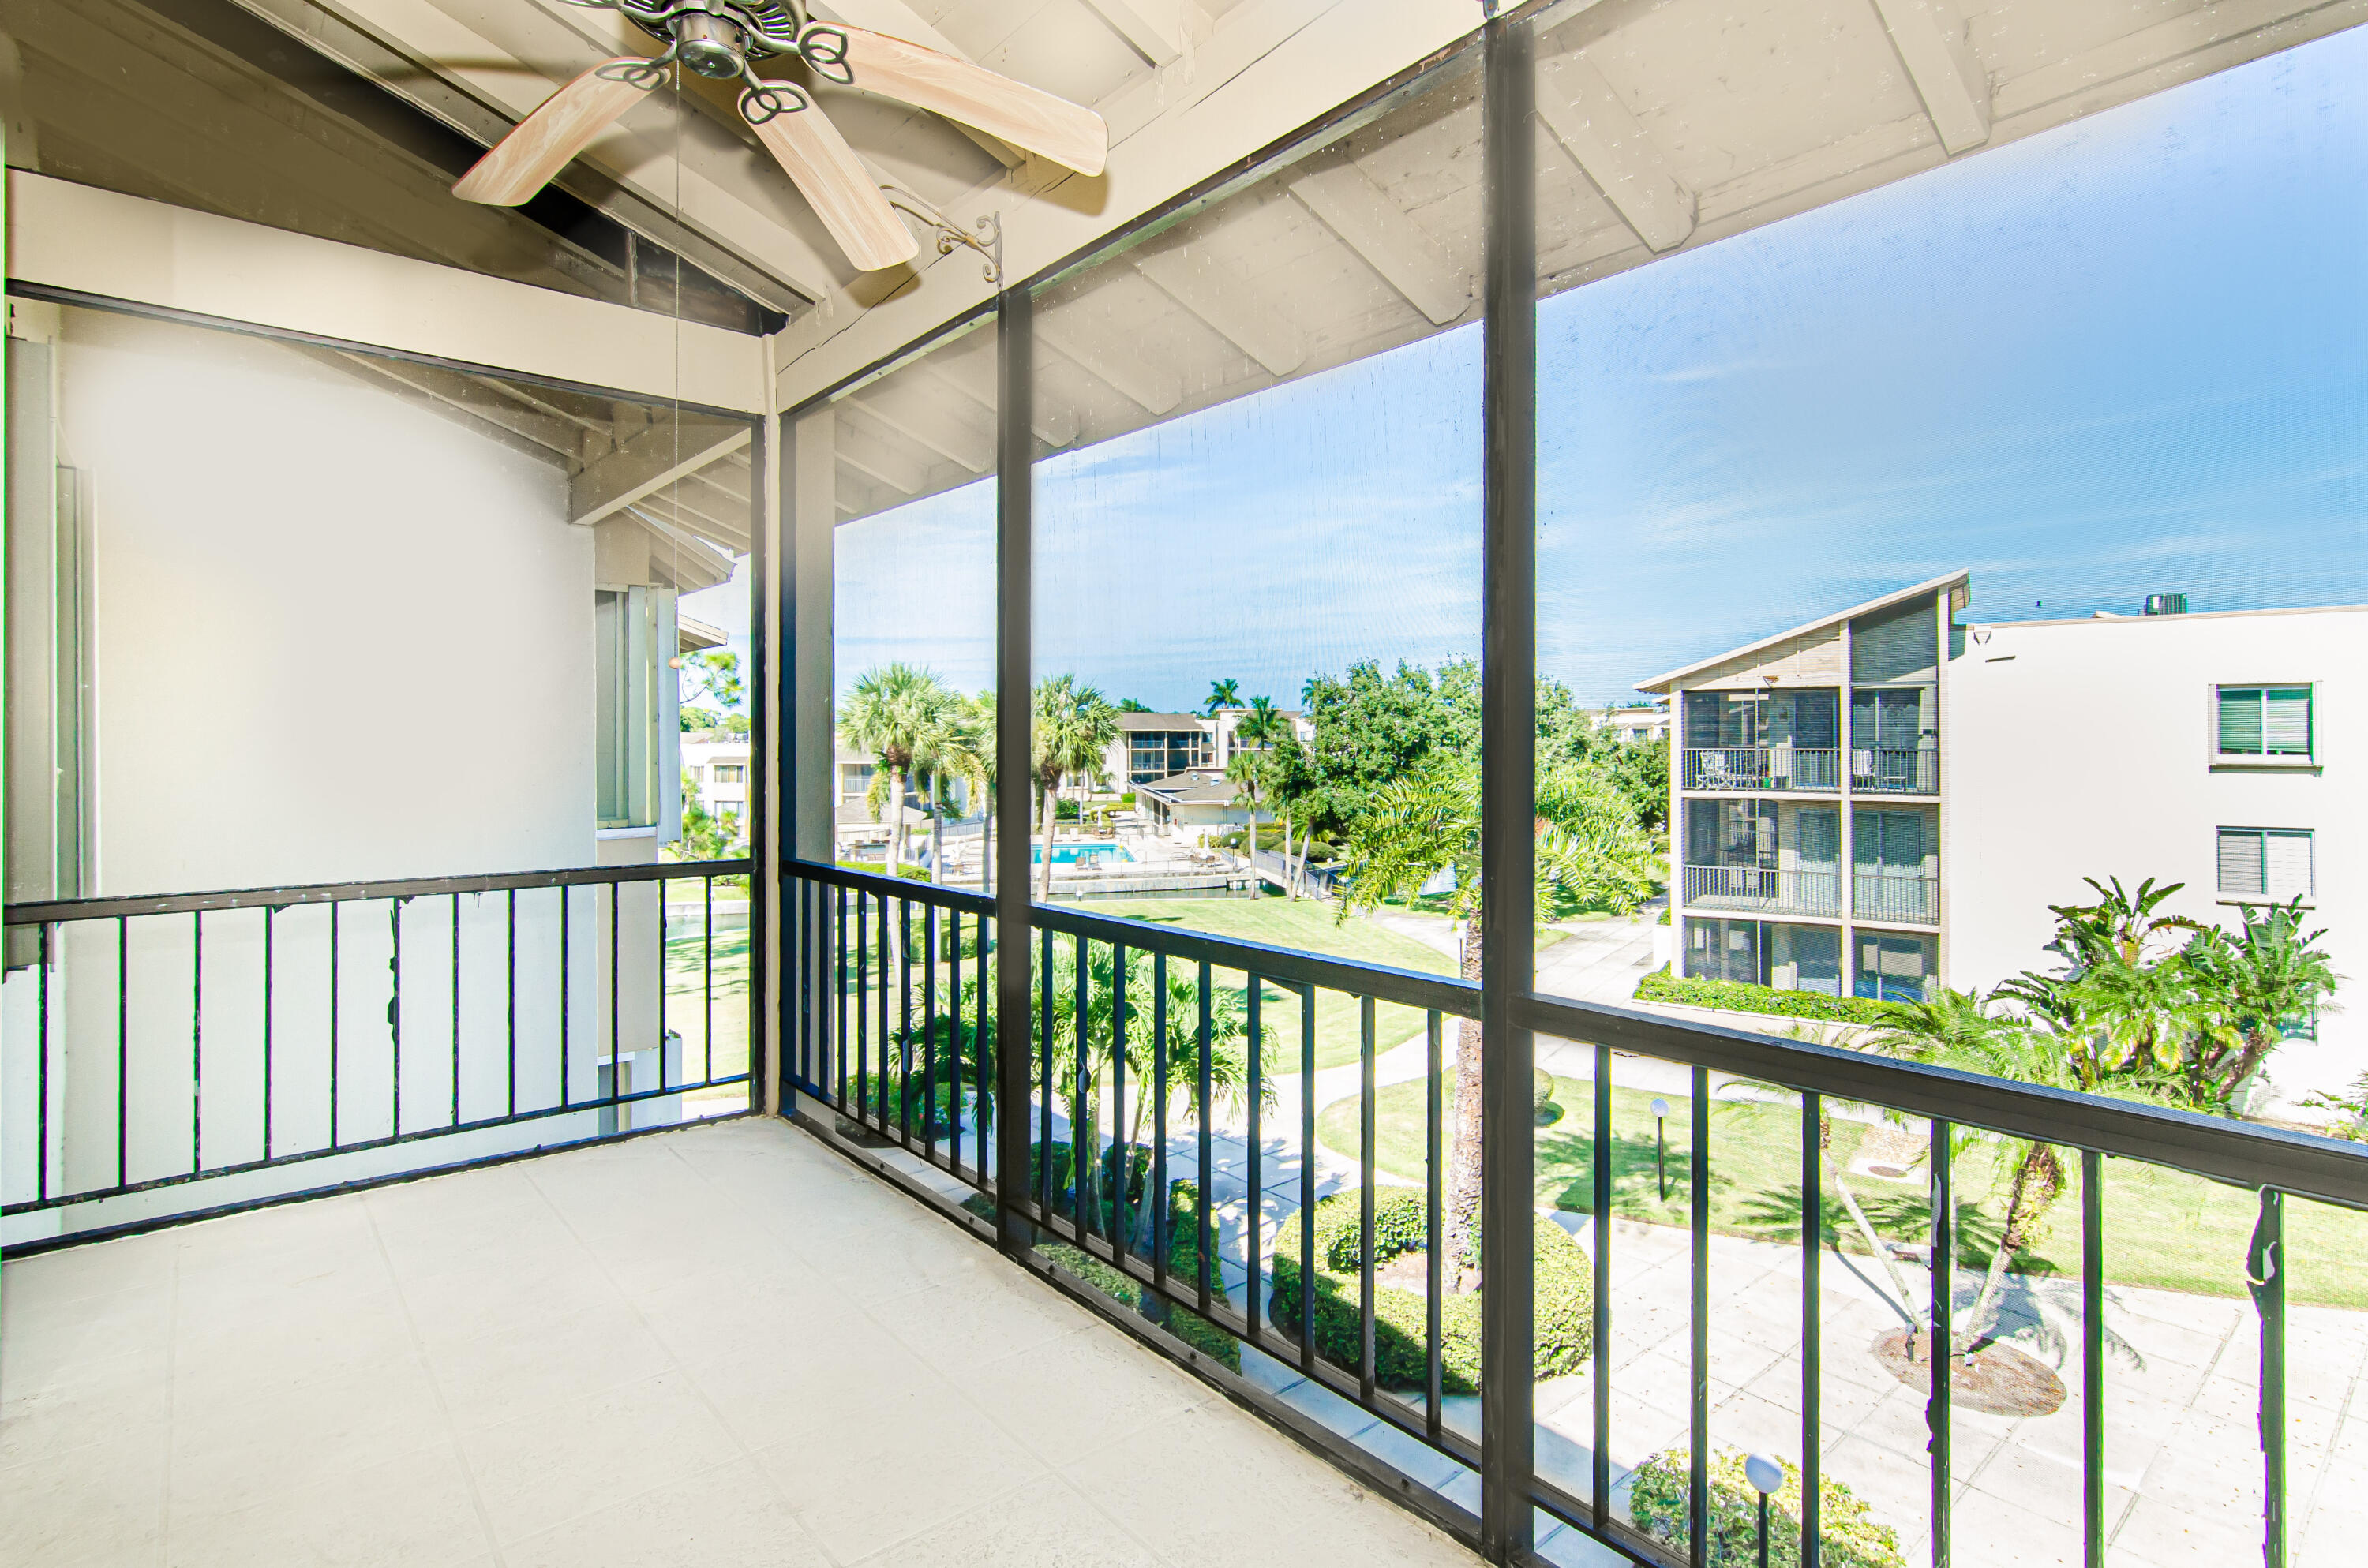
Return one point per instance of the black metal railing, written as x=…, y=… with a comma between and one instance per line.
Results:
x=195, y=1045
x=1172, y=1140
x=1179, y=1164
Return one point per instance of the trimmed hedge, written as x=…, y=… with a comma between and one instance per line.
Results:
x=1735, y=996
x=1565, y=1300
x=1848, y=1536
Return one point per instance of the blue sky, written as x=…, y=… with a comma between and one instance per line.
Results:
x=2126, y=355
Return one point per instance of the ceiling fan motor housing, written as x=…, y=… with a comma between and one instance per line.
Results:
x=712, y=43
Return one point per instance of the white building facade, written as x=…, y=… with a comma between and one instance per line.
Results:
x=1888, y=800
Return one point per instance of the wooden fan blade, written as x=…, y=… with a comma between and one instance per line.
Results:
x=1012, y=111
x=815, y=155
x=542, y=143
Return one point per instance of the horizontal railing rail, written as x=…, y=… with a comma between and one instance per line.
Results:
x=1909, y=896
x=1762, y=890
x=2241, y=1154
x=1761, y=767
x=179, y=1040
x=1903, y=770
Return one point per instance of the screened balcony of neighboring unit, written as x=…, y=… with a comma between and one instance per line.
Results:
x=1768, y=856
x=1896, y=866
x=1762, y=740
x=1894, y=721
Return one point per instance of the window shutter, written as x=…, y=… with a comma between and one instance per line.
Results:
x=2240, y=862
x=2287, y=858
x=2240, y=721
x=2287, y=724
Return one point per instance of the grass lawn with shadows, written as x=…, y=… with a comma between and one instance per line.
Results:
x=2163, y=1230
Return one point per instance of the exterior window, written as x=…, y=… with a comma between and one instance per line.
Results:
x=1894, y=967
x=855, y=780
x=2265, y=863
x=639, y=736
x=1153, y=755
x=2264, y=721
x=728, y=773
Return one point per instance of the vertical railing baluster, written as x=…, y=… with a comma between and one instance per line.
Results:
x=1307, y=1179
x=334, y=909
x=840, y=969
x=509, y=988
x=1698, y=1195
x=1044, y=1075
x=1255, y=1209
x=41, y=1151
x=1158, y=1195
x=1205, y=1115
x=955, y=1039
x=456, y=1010
x=567, y=994
x=1813, y=1243
x=707, y=977
x=989, y=1098
x=880, y=1079
x=1434, y=1149
x=1084, y=1191
x=196, y=1042
x=616, y=1009
x=1941, y=1347
x=1599, y=1203
x=1123, y=1175
x=862, y=1001
x=905, y=1021
x=2092, y=1359
x=1365, y=1097
x=2265, y=1276
x=122, y=1048
x=929, y=1032
x=270, y=913
x=660, y=887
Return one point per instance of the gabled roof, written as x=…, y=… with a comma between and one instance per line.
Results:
x=1131, y=720
x=1197, y=788
x=1659, y=685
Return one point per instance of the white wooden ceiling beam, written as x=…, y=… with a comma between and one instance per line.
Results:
x=973, y=377
x=1930, y=37
x=451, y=389
x=870, y=454
x=935, y=429
x=1228, y=302
x=647, y=463
x=1605, y=141
x=1155, y=388
x=1153, y=28
x=1348, y=203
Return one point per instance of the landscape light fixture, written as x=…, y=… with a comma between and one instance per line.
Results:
x=1766, y=1475
x=1661, y=1146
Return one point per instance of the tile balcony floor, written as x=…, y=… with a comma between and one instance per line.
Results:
x=719, y=1346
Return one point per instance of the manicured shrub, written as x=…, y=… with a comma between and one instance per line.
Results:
x=1735, y=996
x=1847, y=1537
x=1565, y=1301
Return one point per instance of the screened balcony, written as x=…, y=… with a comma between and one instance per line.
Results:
x=424, y=1137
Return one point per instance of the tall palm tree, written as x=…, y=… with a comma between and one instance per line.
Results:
x=1263, y=725
x=1251, y=773
x=1590, y=849
x=1224, y=694
x=891, y=712
x=978, y=717
x=949, y=746
x=1073, y=729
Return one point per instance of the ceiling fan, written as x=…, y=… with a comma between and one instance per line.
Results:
x=721, y=40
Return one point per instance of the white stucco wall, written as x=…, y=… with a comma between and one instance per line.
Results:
x=310, y=592
x=2081, y=749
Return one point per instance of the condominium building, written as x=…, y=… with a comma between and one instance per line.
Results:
x=1972, y=773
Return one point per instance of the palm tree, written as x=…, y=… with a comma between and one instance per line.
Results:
x=892, y=709
x=1074, y=728
x=978, y=719
x=1249, y=772
x=1224, y=694
x=951, y=745
x=1590, y=849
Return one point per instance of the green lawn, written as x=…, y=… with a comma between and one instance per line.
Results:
x=1312, y=927
x=687, y=997
x=2162, y=1229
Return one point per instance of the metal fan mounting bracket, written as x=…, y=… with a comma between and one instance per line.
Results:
x=986, y=239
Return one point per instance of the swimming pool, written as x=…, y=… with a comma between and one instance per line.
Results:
x=1088, y=854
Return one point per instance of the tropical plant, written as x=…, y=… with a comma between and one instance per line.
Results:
x=1224, y=694
x=1590, y=848
x=951, y=745
x=1251, y=773
x=891, y=713
x=978, y=719
x=1074, y=726
x=1661, y=1492
x=2349, y=1110
x=2254, y=986
x=1263, y=724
